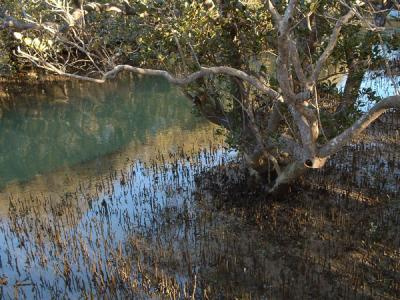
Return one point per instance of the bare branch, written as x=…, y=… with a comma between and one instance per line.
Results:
x=290, y=172
x=295, y=58
x=284, y=43
x=285, y=22
x=274, y=119
x=360, y=125
x=306, y=123
x=277, y=17
x=204, y=72
x=223, y=70
x=331, y=45
x=368, y=25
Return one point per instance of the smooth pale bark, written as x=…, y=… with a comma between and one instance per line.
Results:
x=182, y=81
x=291, y=172
x=335, y=144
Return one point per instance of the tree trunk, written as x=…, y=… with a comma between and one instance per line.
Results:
x=290, y=173
x=351, y=88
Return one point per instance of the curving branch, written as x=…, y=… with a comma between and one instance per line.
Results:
x=359, y=126
x=204, y=72
x=181, y=81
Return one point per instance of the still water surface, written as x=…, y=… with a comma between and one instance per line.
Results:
x=97, y=188
x=74, y=159
x=55, y=135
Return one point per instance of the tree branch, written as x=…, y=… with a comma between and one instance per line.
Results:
x=331, y=45
x=274, y=119
x=360, y=125
x=285, y=22
x=14, y=24
x=182, y=81
x=283, y=62
x=295, y=58
x=277, y=17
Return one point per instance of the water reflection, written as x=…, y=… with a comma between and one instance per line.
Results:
x=56, y=135
x=129, y=217
x=79, y=246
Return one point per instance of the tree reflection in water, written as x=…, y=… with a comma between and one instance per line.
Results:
x=49, y=126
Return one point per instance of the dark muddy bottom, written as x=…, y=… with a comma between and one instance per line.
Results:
x=335, y=235
x=312, y=243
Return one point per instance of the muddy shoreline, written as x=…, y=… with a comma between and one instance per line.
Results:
x=334, y=235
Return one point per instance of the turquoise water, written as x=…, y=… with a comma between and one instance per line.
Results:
x=81, y=163
x=59, y=125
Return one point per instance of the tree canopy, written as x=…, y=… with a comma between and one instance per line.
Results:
x=266, y=71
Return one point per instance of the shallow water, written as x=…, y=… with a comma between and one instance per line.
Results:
x=107, y=202
x=55, y=135
x=81, y=175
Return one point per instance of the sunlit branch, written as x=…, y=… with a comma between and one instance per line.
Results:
x=295, y=58
x=360, y=125
x=182, y=81
x=277, y=17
